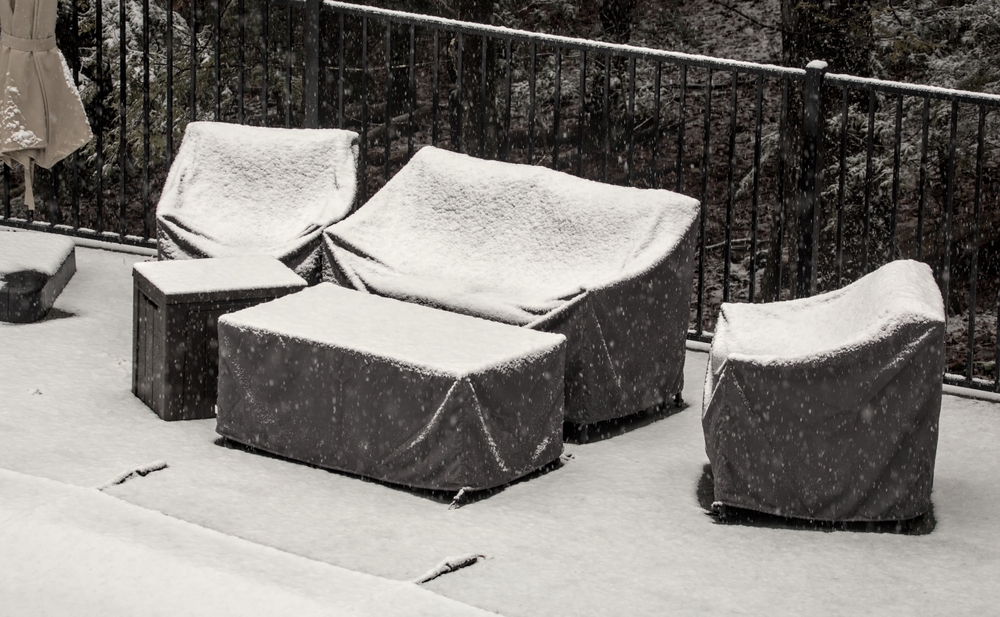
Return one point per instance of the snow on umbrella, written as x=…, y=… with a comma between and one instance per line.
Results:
x=41, y=116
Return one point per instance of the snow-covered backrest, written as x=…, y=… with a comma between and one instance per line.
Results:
x=513, y=227
x=256, y=188
x=871, y=309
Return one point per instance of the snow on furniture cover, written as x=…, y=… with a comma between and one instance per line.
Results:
x=609, y=267
x=827, y=407
x=391, y=390
x=34, y=269
x=240, y=189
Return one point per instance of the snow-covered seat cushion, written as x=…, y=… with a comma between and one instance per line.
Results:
x=610, y=267
x=34, y=269
x=827, y=407
x=240, y=189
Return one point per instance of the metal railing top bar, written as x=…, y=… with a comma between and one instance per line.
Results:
x=897, y=87
x=602, y=47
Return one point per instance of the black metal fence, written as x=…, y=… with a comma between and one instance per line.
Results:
x=807, y=179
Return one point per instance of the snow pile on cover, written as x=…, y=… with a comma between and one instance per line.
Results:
x=238, y=189
x=22, y=251
x=391, y=390
x=827, y=407
x=66, y=550
x=420, y=337
x=534, y=247
x=218, y=274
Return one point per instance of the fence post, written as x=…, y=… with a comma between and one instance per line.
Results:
x=812, y=142
x=310, y=79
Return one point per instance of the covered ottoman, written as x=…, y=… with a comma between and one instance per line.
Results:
x=234, y=190
x=827, y=407
x=34, y=269
x=389, y=390
x=609, y=267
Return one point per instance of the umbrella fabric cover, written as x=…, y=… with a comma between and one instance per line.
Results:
x=827, y=407
x=609, y=267
x=236, y=190
x=41, y=117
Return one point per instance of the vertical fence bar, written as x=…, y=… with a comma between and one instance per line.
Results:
x=311, y=74
x=288, y=65
x=265, y=33
x=996, y=356
x=948, y=209
x=925, y=127
x=533, y=57
x=681, y=122
x=706, y=137
x=654, y=172
x=556, y=104
x=193, y=89
x=782, y=170
x=506, y=118
x=240, y=60
x=893, y=242
x=340, y=72
x=974, y=258
x=841, y=188
x=606, y=128
x=387, y=121
x=6, y=190
x=457, y=135
x=99, y=116
x=581, y=110
x=76, y=80
x=482, y=97
x=435, y=96
x=363, y=150
x=146, y=209
x=122, y=119
x=727, y=249
x=866, y=230
x=755, y=203
x=411, y=97
x=629, y=156
x=218, y=59
x=812, y=142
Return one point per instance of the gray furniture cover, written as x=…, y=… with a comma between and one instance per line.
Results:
x=391, y=390
x=34, y=269
x=240, y=189
x=827, y=407
x=607, y=266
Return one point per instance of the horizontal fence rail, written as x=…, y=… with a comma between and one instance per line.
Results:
x=808, y=179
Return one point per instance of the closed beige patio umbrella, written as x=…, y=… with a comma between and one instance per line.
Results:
x=41, y=116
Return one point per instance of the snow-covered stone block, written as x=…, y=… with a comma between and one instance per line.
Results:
x=34, y=269
x=609, y=267
x=827, y=407
x=391, y=390
x=176, y=305
x=236, y=190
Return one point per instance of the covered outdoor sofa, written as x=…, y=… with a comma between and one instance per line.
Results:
x=609, y=267
x=236, y=190
x=826, y=408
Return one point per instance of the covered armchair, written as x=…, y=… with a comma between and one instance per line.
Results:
x=826, y=408
x=241, y=189
x=609, y=267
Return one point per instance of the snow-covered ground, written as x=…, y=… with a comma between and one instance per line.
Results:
x=617, y=529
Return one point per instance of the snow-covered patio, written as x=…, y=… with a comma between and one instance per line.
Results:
x=618, y=529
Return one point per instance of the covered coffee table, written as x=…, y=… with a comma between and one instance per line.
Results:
x=395, y=391
x=826, y=408
x=175, y=308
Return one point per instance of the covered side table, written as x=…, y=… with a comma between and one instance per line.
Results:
x=826, y=408
x=390, y=390
x=34, y=269
x=175, y=308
